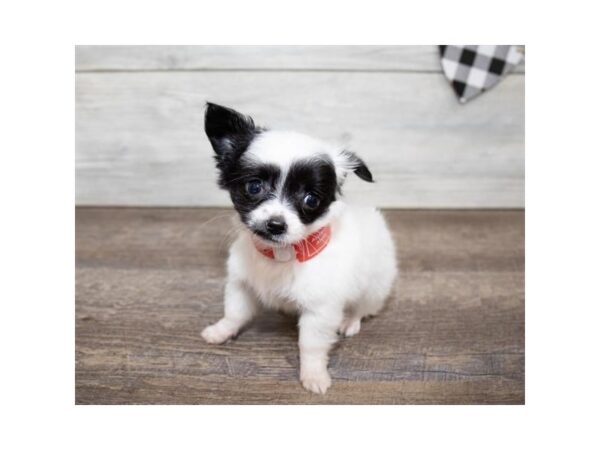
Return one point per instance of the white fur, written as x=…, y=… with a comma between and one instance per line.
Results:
x=332, y=292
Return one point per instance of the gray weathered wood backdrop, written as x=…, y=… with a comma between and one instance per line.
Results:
x=139, y=122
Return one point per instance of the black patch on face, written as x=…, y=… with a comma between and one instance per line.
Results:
x=230, y=133
x=243, y=172
x=314, y=176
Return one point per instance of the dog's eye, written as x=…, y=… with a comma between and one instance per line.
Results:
x=311, y=201
x=254, y=187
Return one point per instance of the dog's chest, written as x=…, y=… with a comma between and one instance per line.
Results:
x=288, y=286
x=275, y=284
x=278, y=285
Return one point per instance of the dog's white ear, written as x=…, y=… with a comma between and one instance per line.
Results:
x=351, y=162
x=228, y=130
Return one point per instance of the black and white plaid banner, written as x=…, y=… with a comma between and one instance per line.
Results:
x=473, y=69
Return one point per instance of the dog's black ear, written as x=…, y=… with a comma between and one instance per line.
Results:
x=358, y=166
x=228, y=130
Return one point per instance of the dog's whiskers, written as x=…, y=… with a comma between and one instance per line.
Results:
x=230, y=235
x=212, y=219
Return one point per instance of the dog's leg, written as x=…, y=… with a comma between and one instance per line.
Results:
x=240, y=308
x=317, y=335
x=351, y=323
x=350, y=326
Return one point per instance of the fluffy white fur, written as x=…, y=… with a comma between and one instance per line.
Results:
x=332, y=292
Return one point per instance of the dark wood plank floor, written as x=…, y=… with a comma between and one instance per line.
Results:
x=149, y=280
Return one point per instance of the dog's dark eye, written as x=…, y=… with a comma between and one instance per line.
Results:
x=254, y=187
x=311, y=201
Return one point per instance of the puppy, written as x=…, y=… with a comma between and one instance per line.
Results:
x=302, y=249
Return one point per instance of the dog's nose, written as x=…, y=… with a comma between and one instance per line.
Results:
x=276, y=225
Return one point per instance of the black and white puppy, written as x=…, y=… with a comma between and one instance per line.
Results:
x=302, y=250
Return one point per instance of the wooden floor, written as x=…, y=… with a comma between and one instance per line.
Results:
x=149, y=280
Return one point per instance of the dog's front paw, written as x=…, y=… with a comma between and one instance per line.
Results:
x=217, y=333
x=349, y=327
x=317, y=381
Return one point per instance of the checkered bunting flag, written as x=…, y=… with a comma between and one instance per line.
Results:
x=473, y=69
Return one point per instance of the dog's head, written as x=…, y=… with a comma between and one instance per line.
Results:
x=284, y=185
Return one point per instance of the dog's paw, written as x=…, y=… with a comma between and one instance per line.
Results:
x=316, y=381
x=217, y=333
x=349, y=327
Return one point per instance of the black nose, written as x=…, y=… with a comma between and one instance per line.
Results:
x=276, y=225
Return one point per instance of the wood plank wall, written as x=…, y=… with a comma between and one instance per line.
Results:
x=140, y=140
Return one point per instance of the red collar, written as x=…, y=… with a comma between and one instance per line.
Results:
x=305, y=249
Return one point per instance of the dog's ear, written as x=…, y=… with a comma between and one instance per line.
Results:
x=357, y=165
x=228, y=130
